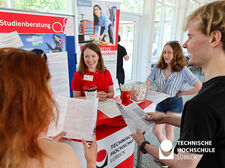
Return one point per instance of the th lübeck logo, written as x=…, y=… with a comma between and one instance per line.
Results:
x=102, y=159
x=167, y=147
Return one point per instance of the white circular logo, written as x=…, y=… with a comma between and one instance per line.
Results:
x=166, y=145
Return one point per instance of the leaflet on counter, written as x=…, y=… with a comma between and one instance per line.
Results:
x=77, y=117
x=134, y=116
x=109, y=108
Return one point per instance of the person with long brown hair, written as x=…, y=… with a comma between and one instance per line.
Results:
x=92, y=72
x=170, y=76
x=26, y=110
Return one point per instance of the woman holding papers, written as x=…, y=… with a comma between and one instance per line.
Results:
x=25, y=112
x=170, y=76
x=92, y=72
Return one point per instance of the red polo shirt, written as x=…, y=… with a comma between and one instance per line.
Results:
x=102, y=80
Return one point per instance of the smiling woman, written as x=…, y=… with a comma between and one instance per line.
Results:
x=91, y=59
x=92, y=72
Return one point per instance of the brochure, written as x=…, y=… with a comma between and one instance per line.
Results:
x=134, y=116
x=77, y=117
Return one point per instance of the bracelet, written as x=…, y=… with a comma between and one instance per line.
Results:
x=142, y=146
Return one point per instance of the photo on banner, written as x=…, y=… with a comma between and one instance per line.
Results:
x=50, y=43
x=91, y=31
x=98, y=22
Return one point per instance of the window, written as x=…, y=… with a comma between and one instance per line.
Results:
x=134, y=6
x=126, y=32
x=45, y=5
x=168, y=24
x=53, y=6
x=191, y=7
x=156, y=34
x=170, y=2
x=164, y=26
x=3, y=4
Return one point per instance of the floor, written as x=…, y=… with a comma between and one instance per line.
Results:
x=147, y=160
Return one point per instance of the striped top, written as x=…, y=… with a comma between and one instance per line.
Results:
x=175, y=82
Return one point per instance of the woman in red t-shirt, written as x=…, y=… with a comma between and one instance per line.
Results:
x=92, y=72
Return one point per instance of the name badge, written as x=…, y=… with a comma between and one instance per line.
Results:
x=88, y=77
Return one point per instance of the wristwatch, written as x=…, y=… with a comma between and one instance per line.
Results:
x=142, y=146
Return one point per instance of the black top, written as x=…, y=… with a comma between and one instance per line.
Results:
x=203, y=119
x=121, y=52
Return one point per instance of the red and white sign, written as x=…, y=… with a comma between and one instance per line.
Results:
x=31, y=23
x=114, y=149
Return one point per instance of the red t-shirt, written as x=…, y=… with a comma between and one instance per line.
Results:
x=102, y=80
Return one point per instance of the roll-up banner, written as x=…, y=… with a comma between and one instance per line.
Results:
x=54, y=35
x=102, y=30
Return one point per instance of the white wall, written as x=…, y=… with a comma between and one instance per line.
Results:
x=145, y=40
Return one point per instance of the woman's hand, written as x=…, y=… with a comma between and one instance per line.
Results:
x=102, y=95
x=60, y=137
x=194, y=90
x=180, y=94
x=90, y=153
x=148, y=82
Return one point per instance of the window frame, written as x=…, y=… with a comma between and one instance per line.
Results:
x=162, y=22
x=127, y=16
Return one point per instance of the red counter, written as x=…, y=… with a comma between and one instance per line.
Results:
x=115, y=142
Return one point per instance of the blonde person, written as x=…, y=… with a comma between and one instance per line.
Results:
x=92, y=72
x=202, y=132
x=25, y=112
x=170, y=76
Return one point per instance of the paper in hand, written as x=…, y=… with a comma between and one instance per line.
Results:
x=77, y=117
x=134, y=116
